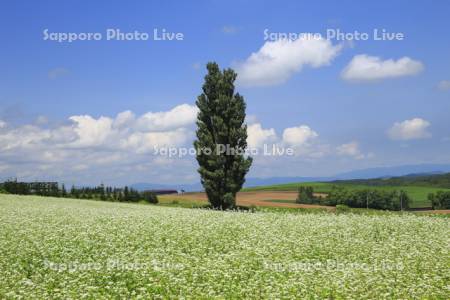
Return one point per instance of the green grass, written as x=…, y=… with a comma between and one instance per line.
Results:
x=53, y=248
x=166, y=200
x=418, y=194
x=318, y=187
x=280, y=201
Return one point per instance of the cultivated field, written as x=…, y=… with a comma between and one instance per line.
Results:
x=257, y=198
x=418, y=194
x=52, y=248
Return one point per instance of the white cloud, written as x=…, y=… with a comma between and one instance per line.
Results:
x=351, y=149
x=144, y=142
x=368, y=68
x=2, y=124
x=301, y=139
x=124, y=119
x=120, y=149
x=257, y=136
x=179, y=116
x=298, y=136
x=276, y=61
x=410, y=130
x=25, y=137
x=444, y=85
x=91, y=132
x=94, y=148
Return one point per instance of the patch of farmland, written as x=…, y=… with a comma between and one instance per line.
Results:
x=418, y=194
x=257, y=198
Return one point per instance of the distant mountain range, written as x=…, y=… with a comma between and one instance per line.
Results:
x=381, y=172
x=434, y=179
x=395, y=171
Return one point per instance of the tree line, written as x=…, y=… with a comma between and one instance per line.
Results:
x=101, y=192
x=366, y=198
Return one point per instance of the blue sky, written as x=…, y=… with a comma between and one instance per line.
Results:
x=350, y=123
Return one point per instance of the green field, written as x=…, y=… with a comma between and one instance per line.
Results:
x=418, y=194
x=53, y=248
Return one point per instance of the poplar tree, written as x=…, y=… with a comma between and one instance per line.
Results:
x=220, y=127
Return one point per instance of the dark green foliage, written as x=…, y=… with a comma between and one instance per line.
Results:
x=338, y=195
x=342, y=208
x=102, y=192
x=150, y=197
x=220, y=123
x=63, y=191
x=126, y=194
x=440, y=200
x=97, y=193
x=306, y=195
x=31, y=188
x=404, y=199
x=367, y=198
x=14, y=187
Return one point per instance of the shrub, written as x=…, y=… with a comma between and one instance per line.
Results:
x=440, y=200
x=338, y=195
x=150, y=197
x=341, y=208
x=306, y=195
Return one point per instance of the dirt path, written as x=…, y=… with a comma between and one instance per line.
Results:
x=258, y=198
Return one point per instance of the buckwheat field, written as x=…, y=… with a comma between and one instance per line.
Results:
x=62, y=248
